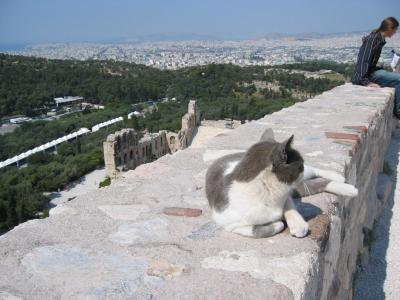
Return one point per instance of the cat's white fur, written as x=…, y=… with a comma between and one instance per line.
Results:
x=311, y=172
x=266, y=200
x=341, y=189
x=336, y=186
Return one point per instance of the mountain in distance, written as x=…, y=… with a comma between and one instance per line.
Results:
x=158, y=37
x=12, y=47
x=309, y=35
x=175, y=37
x=181, y=37
x=5, y=47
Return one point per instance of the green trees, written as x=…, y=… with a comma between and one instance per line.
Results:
x=19, y=202
x=316, y=65
x=28, y=84
x=105, y=182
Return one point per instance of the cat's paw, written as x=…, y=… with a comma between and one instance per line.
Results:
x=298, y=227
x=278, y=226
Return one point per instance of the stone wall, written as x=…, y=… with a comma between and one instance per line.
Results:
x=150, y=235
x=125, y=150
x=190, y=122
x=347, y=129
x=353, y=219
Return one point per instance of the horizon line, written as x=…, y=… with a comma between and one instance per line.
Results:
x=160, y=37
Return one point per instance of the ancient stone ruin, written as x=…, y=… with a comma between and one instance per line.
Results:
x=190, y=122
x=126, y=149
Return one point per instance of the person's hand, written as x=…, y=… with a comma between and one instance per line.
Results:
x=374, y=85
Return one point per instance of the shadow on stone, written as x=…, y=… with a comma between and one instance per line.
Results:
x=206, y=231
x=307, y=210
x=370, y=279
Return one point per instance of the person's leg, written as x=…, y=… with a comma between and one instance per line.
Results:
x=397, y=102
x=389, y=79
x=385, y=78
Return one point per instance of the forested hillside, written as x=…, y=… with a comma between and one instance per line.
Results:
x=28, y=86
x=27, y=83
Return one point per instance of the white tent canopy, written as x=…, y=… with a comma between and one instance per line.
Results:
x=43, y=147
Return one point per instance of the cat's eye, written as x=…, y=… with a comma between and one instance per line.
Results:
x=284, y=156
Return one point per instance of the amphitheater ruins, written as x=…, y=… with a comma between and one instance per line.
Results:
x=126, y=149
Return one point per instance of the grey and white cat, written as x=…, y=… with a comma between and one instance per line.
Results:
x=250, y=193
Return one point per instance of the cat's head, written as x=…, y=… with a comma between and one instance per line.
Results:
x=287, y=163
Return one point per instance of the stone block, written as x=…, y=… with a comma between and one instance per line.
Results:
x=182, y=211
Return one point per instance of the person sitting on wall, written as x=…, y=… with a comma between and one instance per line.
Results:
x=366, y=72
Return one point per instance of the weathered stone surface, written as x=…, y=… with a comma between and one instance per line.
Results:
x=77, y=273
x=182, y=211
x=241, y=138
x=107, y=244
x=145, y=231
x=384, y=188
x=148, y=171
x=61, y=209
x=206, y=231
x=289, y=270
x=124, y=212
x=342, y=136
x=359, y=129
x=165, y=269
x=319, y=228
x=378, y=271
x=211, y=155
x=7, y=296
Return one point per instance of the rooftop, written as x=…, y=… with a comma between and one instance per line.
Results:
x=67, y=99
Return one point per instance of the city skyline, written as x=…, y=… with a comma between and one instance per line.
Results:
x=30, y=22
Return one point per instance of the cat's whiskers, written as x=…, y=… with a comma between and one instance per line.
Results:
x=306, y=188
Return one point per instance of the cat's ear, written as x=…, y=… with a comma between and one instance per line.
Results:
x=287, y=144
x=280, y=156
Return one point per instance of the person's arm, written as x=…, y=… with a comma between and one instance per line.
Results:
x=363, y=62
x=374, y=85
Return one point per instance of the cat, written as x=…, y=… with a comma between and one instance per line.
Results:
x=250, y=193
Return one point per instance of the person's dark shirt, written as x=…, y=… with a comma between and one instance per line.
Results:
x=368, y=57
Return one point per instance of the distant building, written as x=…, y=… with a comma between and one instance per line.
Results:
x=95, y=106
x=69, y=100
x=135, y=113
x=11, y=119
x=20, y=120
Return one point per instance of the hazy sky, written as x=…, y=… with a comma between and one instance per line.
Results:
x=38, y=21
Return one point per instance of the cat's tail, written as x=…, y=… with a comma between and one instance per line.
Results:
x=332, y=183
x=319, y=185
x=341, y=188
x=311, y=172
x=258, y=231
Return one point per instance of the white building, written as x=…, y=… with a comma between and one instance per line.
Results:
x=67, y=100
